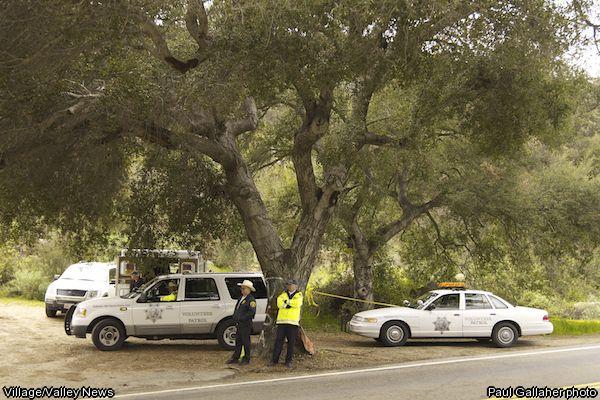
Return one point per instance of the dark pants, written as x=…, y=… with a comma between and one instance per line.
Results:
x=242, y=339
x=291, y=333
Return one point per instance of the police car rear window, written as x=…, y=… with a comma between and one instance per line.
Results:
x=497, y=302
x=234, y=289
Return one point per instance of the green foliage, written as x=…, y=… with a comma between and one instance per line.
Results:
x=585, y=310
x=8, y=256
x=29, y=281
x=173, y=199
x=574, y=327
x=322, y=322
x=30, y=270
x=481, y=111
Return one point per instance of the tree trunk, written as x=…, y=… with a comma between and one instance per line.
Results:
x=277, y=263
x=363, y=275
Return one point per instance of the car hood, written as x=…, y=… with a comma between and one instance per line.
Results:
x=107, y=302
x=77, y=284
x=388, y=311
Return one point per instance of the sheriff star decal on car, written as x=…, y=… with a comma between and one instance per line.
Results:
x=441, y=324
x=153, y=312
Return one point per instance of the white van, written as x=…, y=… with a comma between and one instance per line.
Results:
x=79, y=282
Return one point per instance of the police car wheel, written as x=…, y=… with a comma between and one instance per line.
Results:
x=504, y=335
x=394, y=333
x=50, y=313
x=108, y=335
x=226, y=332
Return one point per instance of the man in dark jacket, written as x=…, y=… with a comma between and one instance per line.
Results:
x=245, y=309
x=136, y=281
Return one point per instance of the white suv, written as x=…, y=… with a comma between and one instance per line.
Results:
x=202, y=309
x=77, y=283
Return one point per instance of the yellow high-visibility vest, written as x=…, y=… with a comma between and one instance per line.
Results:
x=169, y=297
x=289, y=315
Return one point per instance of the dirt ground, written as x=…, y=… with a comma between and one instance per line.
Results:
x=35, y=352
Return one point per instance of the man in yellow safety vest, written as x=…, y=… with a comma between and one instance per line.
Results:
x=289, y=304
x=172, y=296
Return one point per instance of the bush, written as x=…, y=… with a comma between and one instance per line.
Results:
x=553, y=305
x=8, y=258
x=29, y=281
x=585, y=310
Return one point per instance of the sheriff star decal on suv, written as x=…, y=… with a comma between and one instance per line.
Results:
x=153, y=312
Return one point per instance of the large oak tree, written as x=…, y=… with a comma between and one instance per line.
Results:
x=86, y=87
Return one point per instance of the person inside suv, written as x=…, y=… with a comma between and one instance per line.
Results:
x=172, y=296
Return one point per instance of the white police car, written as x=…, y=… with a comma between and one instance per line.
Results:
x=453, y=312
x=202, y=309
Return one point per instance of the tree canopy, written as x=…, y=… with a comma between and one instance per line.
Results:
x=156, y=119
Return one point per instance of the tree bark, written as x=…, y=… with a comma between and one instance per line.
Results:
x=363, y=279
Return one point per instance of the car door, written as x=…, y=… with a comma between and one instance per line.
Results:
x=442, y=318
x=478, y=316
x=201, y=306
x=153, y=316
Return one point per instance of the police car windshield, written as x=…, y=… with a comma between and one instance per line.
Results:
x=426, y=298
x=140, y=289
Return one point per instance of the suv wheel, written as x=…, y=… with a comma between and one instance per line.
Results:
x=50, y=313
x=394, y=333
x=108, y=335
x=504, y=335
x=226, y=332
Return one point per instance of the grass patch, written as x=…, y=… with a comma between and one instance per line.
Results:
x=563, y=326
x=21, y=301
x=322, y=322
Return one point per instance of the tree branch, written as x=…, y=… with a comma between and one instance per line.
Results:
x=246, y=124
x=196, y=22
x=314, y=126
x=162, y=51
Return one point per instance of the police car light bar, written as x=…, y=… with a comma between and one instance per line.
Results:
x=452, y=285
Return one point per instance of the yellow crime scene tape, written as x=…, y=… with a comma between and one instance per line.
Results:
x=309, y=295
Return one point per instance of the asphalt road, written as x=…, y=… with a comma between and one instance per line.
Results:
x=457, y=378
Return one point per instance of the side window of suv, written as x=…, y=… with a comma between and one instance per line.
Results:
x=201, y=289
x=234, y=289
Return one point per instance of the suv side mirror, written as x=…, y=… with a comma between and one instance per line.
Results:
x=143, y=298
x=431, y=307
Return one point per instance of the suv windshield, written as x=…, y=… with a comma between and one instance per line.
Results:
x=83, y=272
